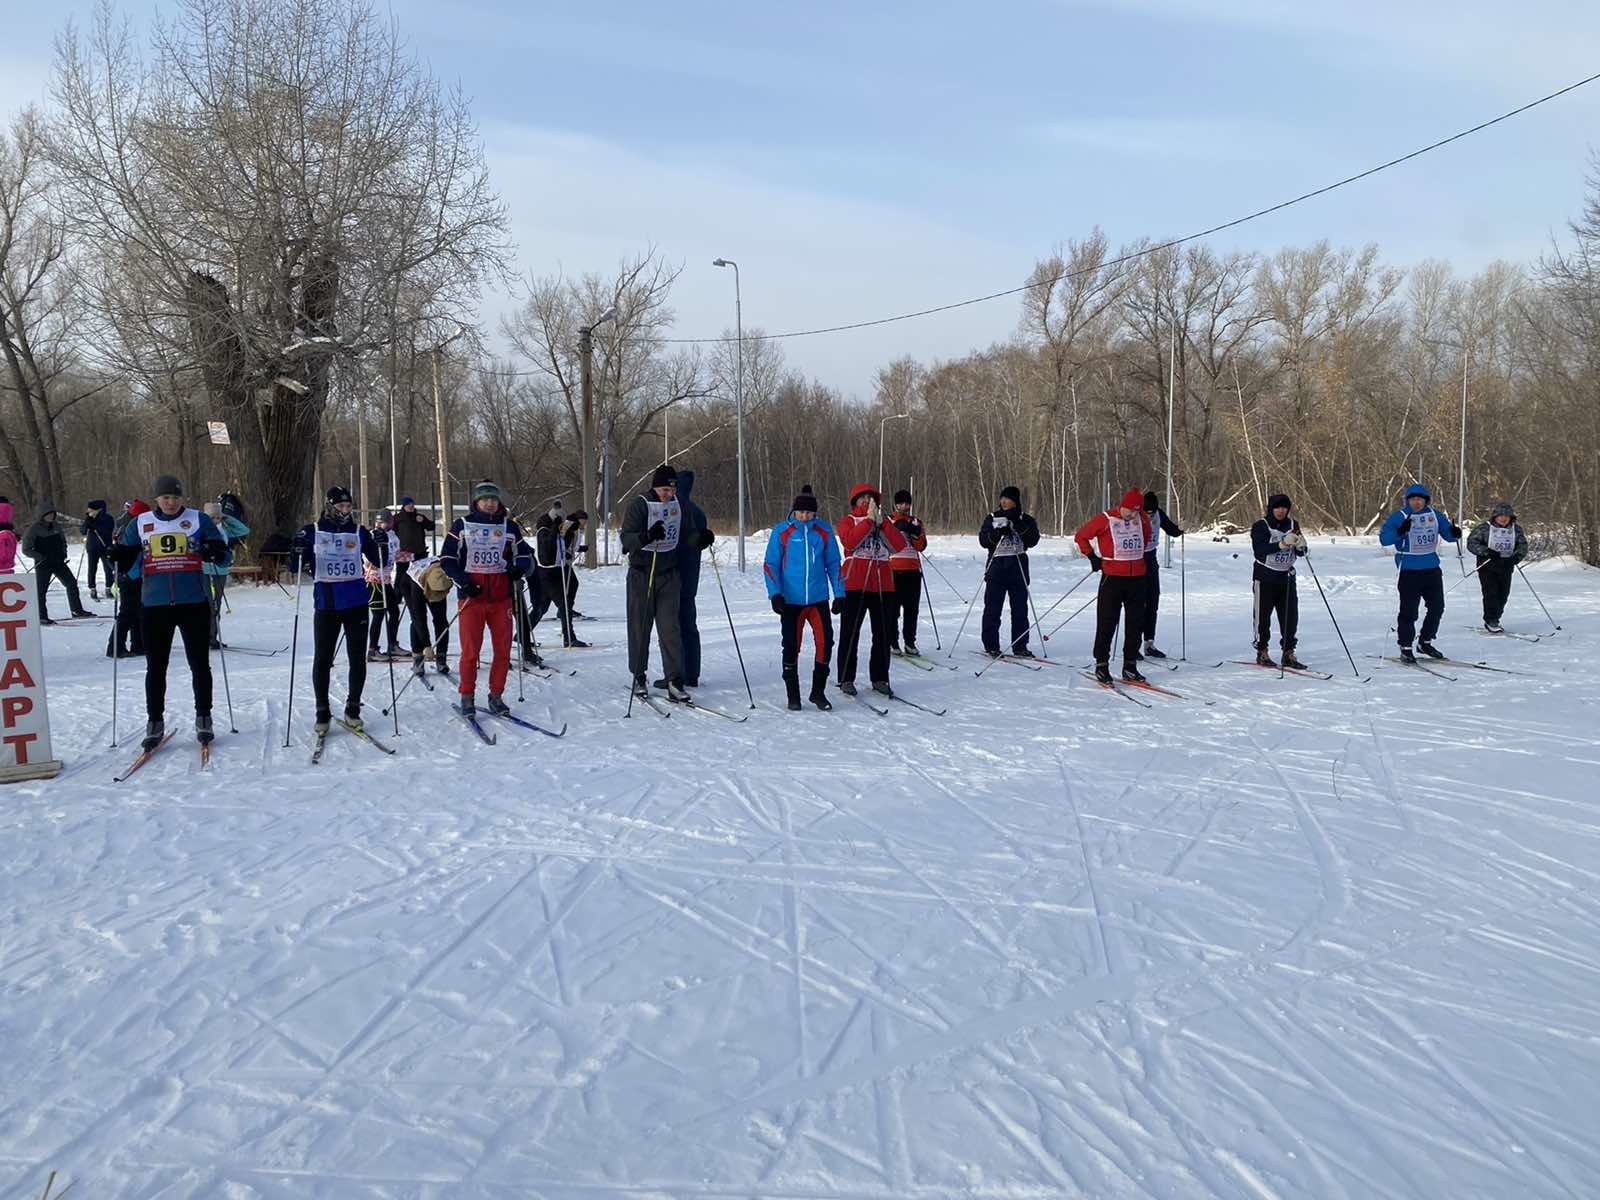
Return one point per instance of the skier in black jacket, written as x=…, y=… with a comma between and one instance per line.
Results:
x=46, y=544
x=1007, y=534
x=99, y=532
x=1277, y=542
x=1159, y=523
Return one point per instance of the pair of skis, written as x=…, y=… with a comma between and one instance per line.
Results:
x=1433, y=666
x=359, y=734
x=490, y=739
x=146, y=755
x=1125, y=688
x=1282, y=670
x=655, y=704
x=859, y=698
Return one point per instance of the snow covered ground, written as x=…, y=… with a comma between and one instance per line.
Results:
x=1282, y=937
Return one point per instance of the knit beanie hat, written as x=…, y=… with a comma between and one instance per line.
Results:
x=1151, y=502
x=485, y=489
x=1280, y=500
x=1133, y=498
x=902, y=497
x=166, y=485
x=1013, y=494
x=339, y=495
x=664, y=476
x=805, y=501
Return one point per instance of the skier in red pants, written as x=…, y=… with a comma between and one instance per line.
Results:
x=485, y=555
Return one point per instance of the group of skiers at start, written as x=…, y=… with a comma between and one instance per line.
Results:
x=171, y=561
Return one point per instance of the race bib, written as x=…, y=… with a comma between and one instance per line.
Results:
x=670, y=514
x=170, y=545
x=338, y=556
x=485, y=547
x=1279, y=559
x=1424, y=538
x=1503, y=541
x=1127, y=538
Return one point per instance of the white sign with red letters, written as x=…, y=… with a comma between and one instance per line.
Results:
x=24, y=719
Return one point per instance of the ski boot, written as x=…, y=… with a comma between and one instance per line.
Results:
x=847, y=686
x=352, y=718
x=641, y=687
x=1130, y=673
x=1102, y=673
x=498, y=706
x=469, y=707
x=1291, y=663
x=1429, y=649
x=1493, y=627
x=94, y=595
x=323, y=723
x=911, y=649
x=991, y=653
x=155, y=729
x=418, y=667
x=1263, y=659
x=677, y=693
x=1406, y=656
x=791, y=685
x=1150, y=651
x=881, y=686
x=894, y=649
x=1023, y=652
x=530, y=658
x=575, y=643
x=443, y=668
x=203, y=731
x=819, y=689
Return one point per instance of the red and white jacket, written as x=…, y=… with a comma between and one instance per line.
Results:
x=909, y=559
x=868, y=547
x=1119, y=541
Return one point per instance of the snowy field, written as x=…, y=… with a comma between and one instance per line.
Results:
x=1282, y=937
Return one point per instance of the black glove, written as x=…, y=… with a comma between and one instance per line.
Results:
x=1405, y=526
x=515, y=573
x=1178, y=534
x=703, y=539
x=1094, y=562
x=298, y=543
x=905, y=526
x=656, y=532
x=213, y=551
x=1455, y=531
x=470, y=589
x=125, y=556
x=777, y=605
x=838, y=606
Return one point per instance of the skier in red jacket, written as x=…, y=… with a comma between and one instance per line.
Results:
x=1120, y=536
x=868, y=541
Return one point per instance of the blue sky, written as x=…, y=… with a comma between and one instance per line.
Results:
x=867, y=158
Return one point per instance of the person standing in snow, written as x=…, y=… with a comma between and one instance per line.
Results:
x=99, y=531
x=383, y=601
x=868, y=540
x=486, y=556
x=1414, y=531
x=554, y=536
x=652, y=527
x=1120, y=536
x=411, y=527
x=333, y=549
x=696, y=540
x=8, y=540
x=228, y=515
x=425, y=589
x=802, y=568
x=1007, y=534
x=1499, y=545
x=46, y=543
x=1277, y=542
x=127, y=639
x=1159, y=523
x=905, y=602
x=170, y=545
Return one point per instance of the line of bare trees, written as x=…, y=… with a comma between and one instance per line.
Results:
x=266, y=213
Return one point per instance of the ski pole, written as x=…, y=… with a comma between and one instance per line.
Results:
x=731, y=629
x=1034, y=609
x=521, y=619
x=294, y=644
x=390, y=628
x=1332, y=618
x=116, y=653
x=941, y=575
x=927, y=596
x=1183, y=600
x=1525, y=579
x=1079, y=609
x=222, y=653
x=1466, y=577
x=982, y=583
x=1037, y=622
x=443, y=633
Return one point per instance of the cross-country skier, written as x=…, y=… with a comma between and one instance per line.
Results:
x=170, y=544
x=1159, y=523
x=554, y=539
x=1414, y=532
x=411, y=527
x=696, y=539
x=802, y=569
x=1007, y=534
x=333, y=550
x=426, y=589
x=905, y=601
x=99, y=531
x=486, y=556
x=46, y=543
x=868, y=540
x=8, y=540
x=127, y=639
x=227, y=513
x=1499, y=545
x=383, y=600
x=1119, y=537
x=1277, y=542
x=652, y=527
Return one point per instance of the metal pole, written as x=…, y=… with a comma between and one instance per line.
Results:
x=442, y=513
x=1172, y=383
x=394, y=455
x=361, y=450
x=738, y=319
x=1461, y=469
x=605, y=501
x=585, y=357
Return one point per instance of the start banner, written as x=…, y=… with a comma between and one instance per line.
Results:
x=24, y=719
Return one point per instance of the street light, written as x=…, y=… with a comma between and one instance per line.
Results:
x=881, y=424
x=438, y=427
x=738, y=388
x=1461, y=466
x=585, y=358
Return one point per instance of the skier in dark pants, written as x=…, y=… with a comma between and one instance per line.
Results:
x=383, y=596
x=1498, y=545
x=99, y=531
x=868, y=540
x=46, y=544
x=555, y=537
x=652, y=527
x=332, y=550
x=1414, y=531
x=697, y=536
x=906, y=600
x=171, y=543
x=1120, y=536
x=1159, y=523
x=1007, y=534
x=1277, y=542
x=127, y=639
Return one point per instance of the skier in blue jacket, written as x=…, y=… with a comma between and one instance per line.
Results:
x=332, y=550
x=802, y=568
x=1414, y=531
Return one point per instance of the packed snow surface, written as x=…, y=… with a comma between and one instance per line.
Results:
x=1279, y=937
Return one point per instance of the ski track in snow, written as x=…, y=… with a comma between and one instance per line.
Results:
x=1315, y=939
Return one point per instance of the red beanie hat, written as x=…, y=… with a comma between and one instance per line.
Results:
x=1133, y=498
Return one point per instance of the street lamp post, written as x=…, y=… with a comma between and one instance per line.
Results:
x=438, y=428
x=738, y=388
x=586, y=367
x=1461, y=463
x=881, y=424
